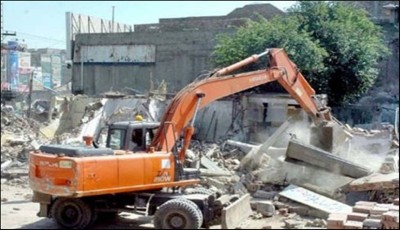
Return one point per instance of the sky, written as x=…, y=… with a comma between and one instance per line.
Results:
x=41, y=24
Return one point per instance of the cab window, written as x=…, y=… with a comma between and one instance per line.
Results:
x=116, y=138
x=102, y=137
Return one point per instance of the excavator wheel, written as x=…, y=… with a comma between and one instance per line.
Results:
x=192, y=204
x=178, y=214
x=72, y=213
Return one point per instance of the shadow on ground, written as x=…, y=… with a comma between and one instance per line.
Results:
x=123, y=221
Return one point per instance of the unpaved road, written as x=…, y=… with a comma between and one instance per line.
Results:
x=18, y=212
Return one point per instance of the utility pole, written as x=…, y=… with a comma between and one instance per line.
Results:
x=112, y=21
x=30, y=94
x=6, y=33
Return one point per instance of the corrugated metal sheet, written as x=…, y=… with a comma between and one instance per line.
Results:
x=118, y=53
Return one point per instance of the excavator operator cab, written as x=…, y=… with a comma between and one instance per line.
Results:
x=128, y=135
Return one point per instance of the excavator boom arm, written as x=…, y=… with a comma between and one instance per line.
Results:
x=199, y=94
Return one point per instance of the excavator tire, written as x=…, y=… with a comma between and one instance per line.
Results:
x=191, y=203
x=72, y=213
x=178, y=214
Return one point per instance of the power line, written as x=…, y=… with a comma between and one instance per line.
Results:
x=41, y=37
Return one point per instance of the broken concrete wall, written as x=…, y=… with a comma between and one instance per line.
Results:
x=72, y=112
x=214, y=120
x=266, y=112
x=313, y=178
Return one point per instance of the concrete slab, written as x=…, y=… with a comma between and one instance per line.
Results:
x=242, y=146
x=253, y=158
x=314, y=200
x=323, y=159
x=329, y=137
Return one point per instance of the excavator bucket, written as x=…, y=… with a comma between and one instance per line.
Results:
x=236, y=212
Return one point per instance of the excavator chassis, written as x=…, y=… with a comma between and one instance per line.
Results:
x=169, y=209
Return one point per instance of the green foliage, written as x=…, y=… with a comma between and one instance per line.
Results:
x=335, y=46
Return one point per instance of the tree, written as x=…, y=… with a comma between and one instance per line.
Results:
x=335, y=46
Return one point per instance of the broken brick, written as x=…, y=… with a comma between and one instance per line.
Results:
x=365, y=203
x=378, y=211
x=396, y=202
x=391, y=216
x=351, y=224
x=362, y=209
x=337, y=219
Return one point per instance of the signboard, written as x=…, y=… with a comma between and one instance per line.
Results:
x=3, y=60
x=24, y=59
x=12, y=65
x=47, y=78
x=56, y=70
x=314, y=200
x=3, y=66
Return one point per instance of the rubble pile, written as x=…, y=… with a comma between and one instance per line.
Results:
x=328, y=178
x=18, y=137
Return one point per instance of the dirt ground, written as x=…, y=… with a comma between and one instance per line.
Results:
x=18, y=212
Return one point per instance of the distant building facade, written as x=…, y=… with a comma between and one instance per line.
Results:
x=174, y=50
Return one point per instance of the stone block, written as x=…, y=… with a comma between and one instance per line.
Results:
x=284, y=212
x=372, y=223
x=266, y=208
x=357, y=216
x=264, y=194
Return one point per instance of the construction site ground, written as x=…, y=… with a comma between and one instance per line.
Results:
x=18, y=212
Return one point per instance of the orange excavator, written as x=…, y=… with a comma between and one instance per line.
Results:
x=140, y=168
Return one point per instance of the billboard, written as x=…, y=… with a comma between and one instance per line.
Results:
x=12, y=65
x=24, y=60
x=3, y=65
x=56, y=70
x=79, y=23
x=47, y=78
